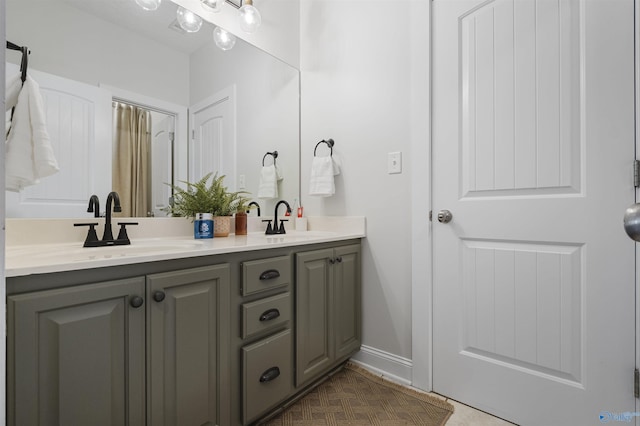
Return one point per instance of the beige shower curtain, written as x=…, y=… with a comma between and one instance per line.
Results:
x=131, y=158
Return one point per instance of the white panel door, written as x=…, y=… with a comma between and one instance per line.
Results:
x=533, y=141
x=213, y=132
x=79, y=125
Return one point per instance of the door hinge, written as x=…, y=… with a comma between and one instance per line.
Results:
x=430, y=215
x=193, y=134
x=636, y=383
x=636, y=173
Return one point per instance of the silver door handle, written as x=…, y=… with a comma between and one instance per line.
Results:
x=444, y=216
x=632, y=222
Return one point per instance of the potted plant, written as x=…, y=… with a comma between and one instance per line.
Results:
x=204, y=197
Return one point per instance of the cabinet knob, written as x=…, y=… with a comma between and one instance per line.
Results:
x=332, y=261
x=158, y=296
x=270, y=374
x=136, y=301
x=339, y=259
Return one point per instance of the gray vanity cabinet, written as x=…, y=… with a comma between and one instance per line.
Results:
x=328, y=306
x=188, y=339
x=77, y=357
x=150, y=350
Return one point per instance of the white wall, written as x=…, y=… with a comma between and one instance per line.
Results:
x=69, y=43
x=358, y=64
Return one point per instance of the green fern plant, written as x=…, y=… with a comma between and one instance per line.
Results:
x=202, y=197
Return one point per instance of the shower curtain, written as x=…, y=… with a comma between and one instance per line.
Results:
x=131, y=158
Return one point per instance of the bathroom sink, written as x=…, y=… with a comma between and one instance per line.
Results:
x=291, y=236
x=77, y=253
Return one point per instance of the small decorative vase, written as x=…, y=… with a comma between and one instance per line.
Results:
x=241, y=223
x=221, y=226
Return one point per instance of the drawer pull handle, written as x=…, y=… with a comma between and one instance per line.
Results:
x=270, y=374
x=269, y=275
x=270, y=314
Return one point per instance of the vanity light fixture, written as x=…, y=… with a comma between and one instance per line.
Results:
x=223, y=39
x=189, y=21
x=149, y=5
x=212, y=5
x=250, y=18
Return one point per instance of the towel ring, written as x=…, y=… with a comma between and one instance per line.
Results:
x=274, y=154
x=329, y=142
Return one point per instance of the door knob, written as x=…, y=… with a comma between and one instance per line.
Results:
x=444, y=216
x=632, y=222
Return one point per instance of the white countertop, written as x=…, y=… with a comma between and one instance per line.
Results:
x=22, y=258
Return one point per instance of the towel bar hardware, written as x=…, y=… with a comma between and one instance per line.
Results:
x=25, y=58
x=274, y=154
x=329, y=142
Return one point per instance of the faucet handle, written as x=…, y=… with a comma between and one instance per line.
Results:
x=123, y=238
x=281, y=230
x=92, y=236
x=269, y=230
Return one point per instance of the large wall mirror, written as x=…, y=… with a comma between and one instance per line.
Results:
x=204, y=109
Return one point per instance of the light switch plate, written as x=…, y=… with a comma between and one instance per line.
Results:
x=394, y=162
x=241, y=182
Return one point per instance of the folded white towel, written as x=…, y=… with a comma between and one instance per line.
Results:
x=29, y=155
x=322, y=171
x=268, y=182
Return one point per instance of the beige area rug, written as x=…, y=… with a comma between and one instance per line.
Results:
x=355, y=396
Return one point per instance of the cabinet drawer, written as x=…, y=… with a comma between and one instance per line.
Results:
x=265, y=274
x=267, y=374
x=265, y=314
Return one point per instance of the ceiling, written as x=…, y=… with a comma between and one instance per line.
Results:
x=160, y=25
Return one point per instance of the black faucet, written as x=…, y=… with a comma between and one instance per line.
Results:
x=253, y=203
x=278, y=230
x=107, y=238
x=94, y=206
x=112, y=197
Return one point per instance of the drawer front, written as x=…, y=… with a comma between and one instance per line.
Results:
x=265, y=314
x=266, y=374
x=265, y=274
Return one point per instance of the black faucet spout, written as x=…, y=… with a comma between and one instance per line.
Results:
x=253, y=203
x=276, y=229
x=94, y=206
x=112, y=198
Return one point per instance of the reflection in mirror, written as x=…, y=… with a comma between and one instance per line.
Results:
x=142, y=159
x=104, y=48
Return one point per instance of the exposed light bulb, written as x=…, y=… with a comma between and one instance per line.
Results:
x=250, y=18
x=150, y=5
x=189, y=21
x=223, y=39
x=212, y=5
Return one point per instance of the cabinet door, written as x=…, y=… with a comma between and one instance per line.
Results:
x=188, y=332
x=347, y=302
x=314, y=345
x=76, y=356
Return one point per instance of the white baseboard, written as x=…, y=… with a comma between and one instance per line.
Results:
x=390, y=366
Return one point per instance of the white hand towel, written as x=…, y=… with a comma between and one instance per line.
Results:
x=322, y=172
x=29, y=155
x=268, y=182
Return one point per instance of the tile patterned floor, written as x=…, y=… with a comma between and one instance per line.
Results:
x=468, y=416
